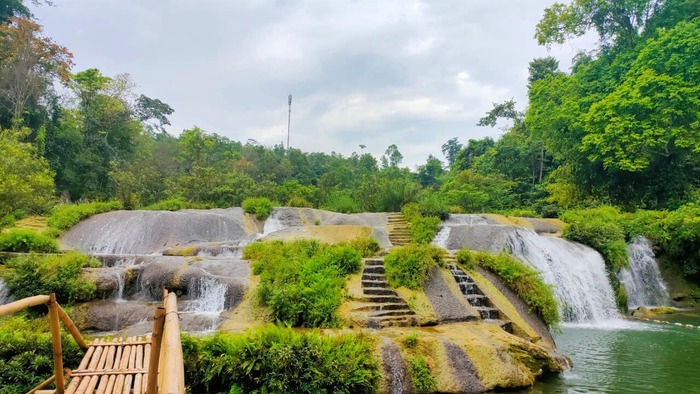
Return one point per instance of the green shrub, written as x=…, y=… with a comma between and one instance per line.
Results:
x=421, y=376
x=522, y=212
x=302, y=281
x=278, y=360
x=341, y=201
x=367, y=246
x=434, y=204
x=26, y=355
x=602, y=229
x=678, y=234
x=523, y=280
x=66, y=216
x=423, y=228
x=411, y=340
x=25, y=241
x=175, y=204
x=260, y=207
x=410, y=265
x=32, y=275
x=299, y=202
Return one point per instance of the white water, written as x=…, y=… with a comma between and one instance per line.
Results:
x=272, y=224
x=207, y=299
x=642, y=279
x=465, y=219
x=577, y=273
x=121, y=270
x=442, y=236
x=4, y=293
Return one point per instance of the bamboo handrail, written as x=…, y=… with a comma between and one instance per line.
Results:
x=72, y=329
x=156, y=339
x=171, y=379
x=56, y=344
x=24, y=303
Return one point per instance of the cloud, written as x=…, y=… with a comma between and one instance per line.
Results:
x=414, y=73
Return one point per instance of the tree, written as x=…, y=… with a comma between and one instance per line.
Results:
x=392, y=157
x=16, y=8
x=616, y=21
x=29, y=63
x=25, y=179
x=451, y=149
x=430, y=172
x=542, y=67
x=475, y=148
x=504, y=110
x=153, y=109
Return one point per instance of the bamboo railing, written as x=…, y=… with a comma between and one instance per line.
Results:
x=165, y=373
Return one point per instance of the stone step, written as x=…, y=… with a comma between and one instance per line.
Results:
x=489, y=313
x=376, y=269
x=506, y=325
x=469, y=289
x=373, y=262
x=375, y=283
x=407, y=312
x=384, y=307
x=382, y=299
x=462, y=278
x=379, y=292
x=402, y=321
x=378, y=277
x=477, y=300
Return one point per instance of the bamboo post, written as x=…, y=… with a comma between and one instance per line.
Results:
x=158, y=321
x=56, y=342
x=171, y=378
x=72, y=329
x=24, y=303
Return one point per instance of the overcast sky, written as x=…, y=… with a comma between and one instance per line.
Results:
x=413, y=73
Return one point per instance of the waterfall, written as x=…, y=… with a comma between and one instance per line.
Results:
x=642, y=278
x=442, y=236
x=272, y=224
x=121, y=269
x=577, y=273
x=4, y=292
x=207, y=295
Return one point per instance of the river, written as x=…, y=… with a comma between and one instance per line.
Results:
x=629, y=357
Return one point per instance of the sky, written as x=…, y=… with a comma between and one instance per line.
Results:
x=374, y=73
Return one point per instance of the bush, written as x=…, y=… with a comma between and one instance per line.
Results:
x=299, y=202
x=423, y=228
x=175, y=204
x=421, y=377
x=341, y=202
x=524, y=281
x=434, y=204
x=278, y=360
x=410, y=265
x=602, y=229
x=260, y=207
x=66, y=216
x=26, y=355
x=367, y=246
x=302, y=281
x=32, y=275
x=678, y=234
x=25, y=241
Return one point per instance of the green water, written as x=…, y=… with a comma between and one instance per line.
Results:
x=629, y=357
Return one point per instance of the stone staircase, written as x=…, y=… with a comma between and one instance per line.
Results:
x=399, y=230
x=383, y=306
x=476, y=297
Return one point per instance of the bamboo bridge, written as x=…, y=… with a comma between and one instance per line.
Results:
x=134, y=365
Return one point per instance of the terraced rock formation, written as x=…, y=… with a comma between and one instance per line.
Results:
x=476, y=298
x=385, y=308
x=399, y=230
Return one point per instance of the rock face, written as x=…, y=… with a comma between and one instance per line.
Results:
x=449, y=306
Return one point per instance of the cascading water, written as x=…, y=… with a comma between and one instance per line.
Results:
x=642, y=279
x=442, y=236
x=207, y=297
x=4, y=293
x=273, y=224
x=577, y=273
x=121, y=270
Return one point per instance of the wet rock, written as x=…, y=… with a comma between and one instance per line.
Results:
x=396, y=377
x=111, y=315
x=663, y=310
x=448, y=307
x=486, y=237
x=643, y=312
x=463, y=370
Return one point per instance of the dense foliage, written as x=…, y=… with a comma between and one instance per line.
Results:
x=423, y=228
x=302, y=281
x=30, y=275
x=260, y=207
x=24, y=241
x=26, y=355
x=278, y=360
x=524, y=281
x=410, y=265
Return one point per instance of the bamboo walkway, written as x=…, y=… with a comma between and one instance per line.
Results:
x=134, y=365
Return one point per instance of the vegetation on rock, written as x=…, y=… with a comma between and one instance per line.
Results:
x=66, y=216
x=410, y=265
x=25, y=241
x=524, y=281
x=260, y=207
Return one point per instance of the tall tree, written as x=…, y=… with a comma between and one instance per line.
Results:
x=451, y=149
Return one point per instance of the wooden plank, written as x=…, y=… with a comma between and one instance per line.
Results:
x=172, y=372
x=24, y=303
x=138, y=384
x=56, y=344
x=112, y=372
x=86, y=358
x=110, y=384
x=154, y=351
x=74, y=383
